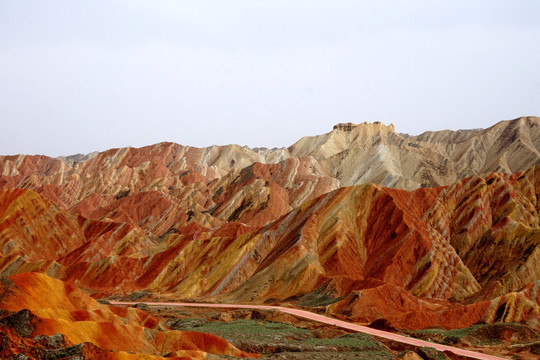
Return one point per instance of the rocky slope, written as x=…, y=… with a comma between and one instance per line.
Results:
x=375, y=153
x=67, y=322
x=471, y=247
x=355, y=154
x=240, y=225
x=214, y=185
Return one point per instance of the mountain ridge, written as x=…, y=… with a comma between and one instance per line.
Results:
x=221, y=224
x=367, y=152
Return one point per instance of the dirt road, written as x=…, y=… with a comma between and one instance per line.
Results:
x=330, y=321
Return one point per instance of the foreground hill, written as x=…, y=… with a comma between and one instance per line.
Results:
x=67, y=322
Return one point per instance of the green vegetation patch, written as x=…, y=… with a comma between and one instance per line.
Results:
x=441, y=335
x=341, y=355
x=479, y=334
x=266, y=337
x=349, y=342
x=243, y=328
x=322, y=296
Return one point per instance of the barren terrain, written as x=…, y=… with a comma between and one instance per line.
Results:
x=422, y=235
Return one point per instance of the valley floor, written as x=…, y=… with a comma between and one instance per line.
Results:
x=280, y=333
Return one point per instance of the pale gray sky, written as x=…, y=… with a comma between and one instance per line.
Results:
x=79, y=76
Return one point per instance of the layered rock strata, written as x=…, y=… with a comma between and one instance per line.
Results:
x=67, y=322
x=474, y=242
x=240, y=225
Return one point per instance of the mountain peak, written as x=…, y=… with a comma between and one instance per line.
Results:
x=366, y=125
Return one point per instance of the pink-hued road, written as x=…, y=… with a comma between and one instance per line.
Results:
x=330, y=321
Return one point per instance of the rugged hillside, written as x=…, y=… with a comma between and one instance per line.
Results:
x=108, y=185
x=352, y=155
x=375, y=153
x=506, y=147
x=403, y=255
x=240, y=225
x=67, y=322
x=471, y=247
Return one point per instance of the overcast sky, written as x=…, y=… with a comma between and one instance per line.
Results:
x=79, y=76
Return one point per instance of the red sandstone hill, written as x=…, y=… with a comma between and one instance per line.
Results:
x=32, y=322
x=240, y=225
x=417, y=259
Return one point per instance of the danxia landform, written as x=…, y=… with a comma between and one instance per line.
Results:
x=438, y=230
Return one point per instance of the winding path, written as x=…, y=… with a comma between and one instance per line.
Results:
x=329, y=321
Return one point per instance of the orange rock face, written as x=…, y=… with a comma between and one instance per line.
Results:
x=424, y=250
x=239, y=225
x=81, y=320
